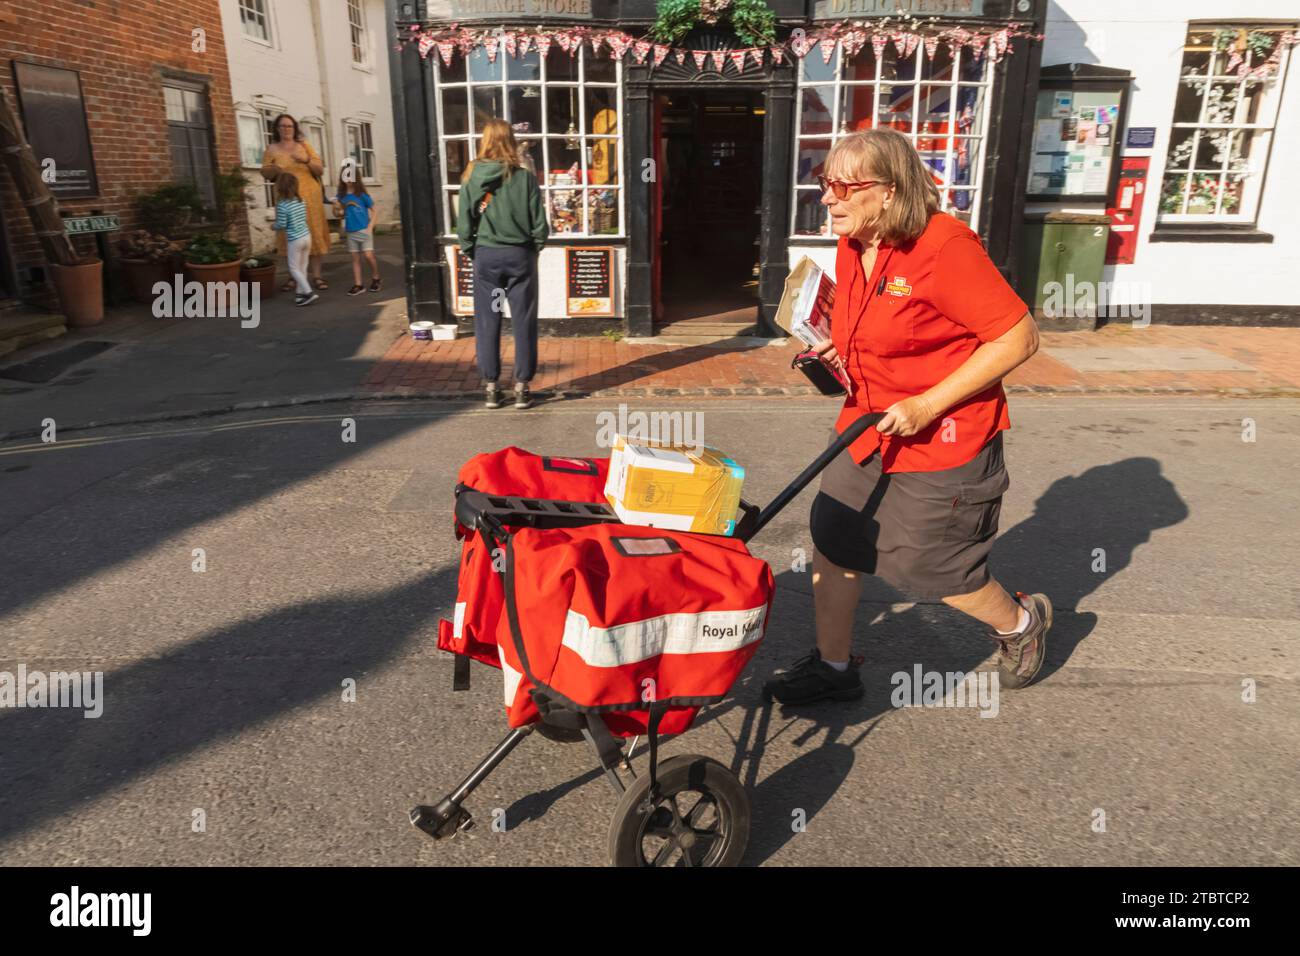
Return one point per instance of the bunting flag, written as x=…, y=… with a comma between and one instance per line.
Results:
x=511, y=45
x=424, y=45
x=738, y=60
x=617, y=46
x=828, y=49
x=543, y=45
x=490, y=43
x=525, y=44
x=801, y=45
x=719, y=58
x=639, y=50
x=564, y=40
x=912, y=41
x=900, y=43
x=445, y=50
x=680, y=55
x=878, y=42
x=661, y=51
x=700, y=56
x=778, y=55
x=931, y=45
x=757, y=53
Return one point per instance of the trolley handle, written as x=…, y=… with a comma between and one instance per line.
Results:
x=755, y=520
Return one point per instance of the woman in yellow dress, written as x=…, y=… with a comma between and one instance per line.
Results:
x=292, y=152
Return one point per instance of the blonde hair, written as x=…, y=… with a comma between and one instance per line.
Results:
x=890, y=156
x=286, y=185
x=498, y=144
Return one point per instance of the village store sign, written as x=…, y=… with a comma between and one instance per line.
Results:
x=479, y=9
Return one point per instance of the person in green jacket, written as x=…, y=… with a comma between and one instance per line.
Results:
x=502, y=226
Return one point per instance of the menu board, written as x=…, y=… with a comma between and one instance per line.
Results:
x=589, y=280
x=1075, y=133
x=462, y=270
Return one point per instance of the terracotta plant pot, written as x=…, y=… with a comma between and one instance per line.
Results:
x=263, y=276
x=219, y=272
x=143, y=274
x=81, y=292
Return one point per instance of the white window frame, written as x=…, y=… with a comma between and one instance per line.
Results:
x=257, y=116
x=256, y=9
x=450, y=191
x=314, y=132
x=358, y=34
x=976, y=141
x=1252, y=174
x=368, y=128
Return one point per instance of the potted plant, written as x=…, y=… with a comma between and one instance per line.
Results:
x=211, y=258
x=171, y=210
x=260, y=270
x=146, y=260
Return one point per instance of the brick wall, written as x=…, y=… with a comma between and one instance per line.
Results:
x=121, y=49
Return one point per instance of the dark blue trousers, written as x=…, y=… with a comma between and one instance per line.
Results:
x=501, y=274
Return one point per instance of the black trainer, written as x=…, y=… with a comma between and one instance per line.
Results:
x=810, y=679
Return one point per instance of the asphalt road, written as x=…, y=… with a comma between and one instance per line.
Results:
x=331, y=561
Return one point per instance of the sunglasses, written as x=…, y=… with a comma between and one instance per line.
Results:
x=841, y=189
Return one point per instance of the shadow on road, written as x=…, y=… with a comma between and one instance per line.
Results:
x=1053, y=551
x=165, y=709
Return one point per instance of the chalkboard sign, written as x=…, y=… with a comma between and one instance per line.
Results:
x=54, y=115
x=463, y=273
x=589, y=280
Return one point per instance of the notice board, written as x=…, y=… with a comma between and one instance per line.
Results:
x=54, y=116
x=589, y=280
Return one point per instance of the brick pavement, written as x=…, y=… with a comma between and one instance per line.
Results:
x=600, y=365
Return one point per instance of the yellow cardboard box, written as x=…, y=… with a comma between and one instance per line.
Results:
x=674, y=486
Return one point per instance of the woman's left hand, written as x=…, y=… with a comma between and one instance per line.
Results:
x=907, y=417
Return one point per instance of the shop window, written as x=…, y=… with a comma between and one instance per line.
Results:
x=1229, y=88
x=940, y=104
x=565, y=111
x=189, y=136
x=255, y=19
x=360, y=146
x=357, y=32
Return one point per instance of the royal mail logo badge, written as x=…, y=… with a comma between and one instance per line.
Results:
x=899, y=287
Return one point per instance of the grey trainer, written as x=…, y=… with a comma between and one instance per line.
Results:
x=1020, y=656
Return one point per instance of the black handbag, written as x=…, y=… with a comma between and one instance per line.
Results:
x=818, y=372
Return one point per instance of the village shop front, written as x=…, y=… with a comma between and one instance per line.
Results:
x=678, y=145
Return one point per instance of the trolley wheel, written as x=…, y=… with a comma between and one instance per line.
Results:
x=701, y=818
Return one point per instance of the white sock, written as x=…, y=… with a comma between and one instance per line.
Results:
x=1021, y=623
x=840, y=666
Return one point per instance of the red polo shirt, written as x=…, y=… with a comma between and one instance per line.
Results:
x=942, y=299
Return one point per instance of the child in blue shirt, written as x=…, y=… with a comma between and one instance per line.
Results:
x=356, y=207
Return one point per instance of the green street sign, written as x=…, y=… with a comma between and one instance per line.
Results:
x=84, y=224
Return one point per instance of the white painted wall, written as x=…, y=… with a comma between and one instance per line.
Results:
x=1146, y=39
x=308, y=72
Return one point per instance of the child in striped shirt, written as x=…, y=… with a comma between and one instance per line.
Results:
x=291, y=216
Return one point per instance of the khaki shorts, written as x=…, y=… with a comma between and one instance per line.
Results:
x=360, y=241
x=928, y=533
